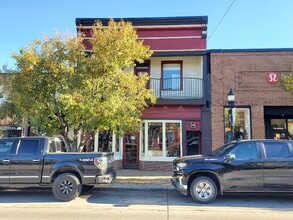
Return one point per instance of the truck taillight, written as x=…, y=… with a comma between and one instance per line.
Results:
x=100, y=162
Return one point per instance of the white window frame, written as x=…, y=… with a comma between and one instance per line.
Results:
x=117, y=155
x=164, y=157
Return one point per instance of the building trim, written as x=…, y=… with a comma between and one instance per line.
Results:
x=150, y=21
x=146, y=27
x=266, y=50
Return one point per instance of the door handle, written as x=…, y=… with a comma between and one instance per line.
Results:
x=256, y=164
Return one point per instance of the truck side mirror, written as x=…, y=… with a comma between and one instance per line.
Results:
x=229, y=157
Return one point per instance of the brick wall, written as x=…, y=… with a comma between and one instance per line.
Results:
x=245, y=73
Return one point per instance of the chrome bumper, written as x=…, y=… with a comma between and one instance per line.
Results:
x=177, y=183
x=107, y=178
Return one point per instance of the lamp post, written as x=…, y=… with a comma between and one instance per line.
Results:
x=231, y=101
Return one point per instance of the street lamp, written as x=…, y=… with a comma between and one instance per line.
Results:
x=231, y=101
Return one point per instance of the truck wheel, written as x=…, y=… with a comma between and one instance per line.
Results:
x=86, y=188
x=66, y=187
x=203, y=189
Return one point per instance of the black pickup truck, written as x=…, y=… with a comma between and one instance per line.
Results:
x=244, y=166
x=44, y=161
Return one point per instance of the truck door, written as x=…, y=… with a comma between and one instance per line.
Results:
x=5, y=158
x=278, y=166
x=244, y=172
x=26, y=163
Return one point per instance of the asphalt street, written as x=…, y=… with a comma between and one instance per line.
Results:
x=119, y=203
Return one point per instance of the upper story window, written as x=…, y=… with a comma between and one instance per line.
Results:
x=172, y=75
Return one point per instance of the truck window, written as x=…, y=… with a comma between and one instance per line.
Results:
x=277, y=150
x=245, y=151
x=5, y=147
x=28, y=147
x=56, y=145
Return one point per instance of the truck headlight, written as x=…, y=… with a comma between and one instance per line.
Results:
x=180, y=166
x=100, y=162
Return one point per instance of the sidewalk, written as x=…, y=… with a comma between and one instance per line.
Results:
x=140, y=180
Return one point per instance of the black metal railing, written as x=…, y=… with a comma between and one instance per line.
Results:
x=177, y=88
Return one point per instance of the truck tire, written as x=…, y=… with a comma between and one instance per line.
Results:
x=86, y=188
x=203, y=189
x=66, y=187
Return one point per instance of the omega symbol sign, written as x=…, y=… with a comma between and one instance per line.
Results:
x=273, y=78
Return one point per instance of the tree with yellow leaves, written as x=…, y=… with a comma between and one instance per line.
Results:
x=287, y=82
x=58, y=86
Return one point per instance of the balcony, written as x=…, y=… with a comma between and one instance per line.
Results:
x=177, y=88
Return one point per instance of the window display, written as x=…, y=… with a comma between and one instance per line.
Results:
x=240, y=129
x=163, y=139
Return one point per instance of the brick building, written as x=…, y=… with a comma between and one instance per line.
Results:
x=263, y=109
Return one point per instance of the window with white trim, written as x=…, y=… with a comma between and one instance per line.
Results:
x=109, y=142
x=161, y=139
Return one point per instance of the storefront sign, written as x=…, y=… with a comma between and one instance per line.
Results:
x=272, y=78
x=193, y=126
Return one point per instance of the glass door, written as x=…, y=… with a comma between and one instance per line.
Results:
x=193, y=142
x=130, y=152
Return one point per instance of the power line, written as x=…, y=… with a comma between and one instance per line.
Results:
x=222, y=19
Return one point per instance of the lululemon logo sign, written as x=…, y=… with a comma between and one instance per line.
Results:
x=273, y=78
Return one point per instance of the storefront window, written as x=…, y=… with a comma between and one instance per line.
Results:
x=163, y=140
x=109, y=142
x=173, y=139
x=105, y=141
x=155, y=136
x=241, y=125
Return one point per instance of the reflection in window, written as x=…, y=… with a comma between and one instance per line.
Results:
x=161, y=139
x=173, y=139
x=245, y=151
x=241, y=127
x=172, y=75
x=105, y=141
x=276, y=150
x=278, y=124
x=5, y=147
x=28, y=147
x=155, y=136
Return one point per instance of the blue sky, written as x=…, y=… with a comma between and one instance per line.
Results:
x=248, y=24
